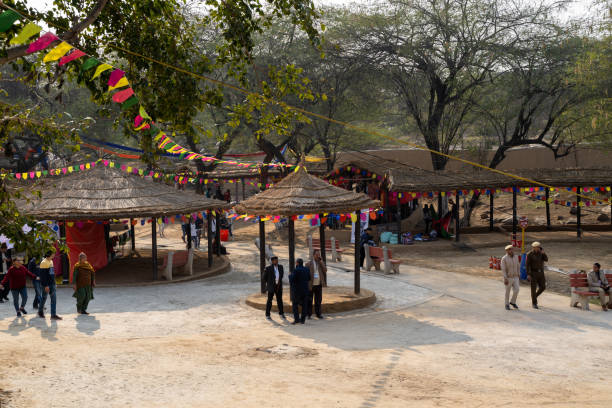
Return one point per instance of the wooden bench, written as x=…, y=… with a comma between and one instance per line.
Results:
x=332, y=246
x=580, y=292
x=376, y=255
x=177, y=259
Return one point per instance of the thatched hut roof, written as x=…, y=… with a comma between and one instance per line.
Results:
x=105, y=193
x=302, y=193
x=416, y=180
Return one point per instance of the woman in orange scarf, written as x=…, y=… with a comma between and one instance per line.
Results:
x=84, y=279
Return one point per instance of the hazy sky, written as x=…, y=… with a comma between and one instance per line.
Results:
x=576, y=9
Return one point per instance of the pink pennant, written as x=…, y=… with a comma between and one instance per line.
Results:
x=82, y=167
x=64, y=170
x=71, y=57
x=43, y=42
x=115, y=76
x=138, y=120
x=105, y=162
x=123, y=96
x=123, y=167
x=18, y=175
x=31, y=174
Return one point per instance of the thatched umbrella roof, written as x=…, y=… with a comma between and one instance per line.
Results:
x=302, y=193
x=105, y=193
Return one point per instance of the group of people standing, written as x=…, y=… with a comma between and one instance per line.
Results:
x=534, y=265
x=14, y=278
x=306, y=287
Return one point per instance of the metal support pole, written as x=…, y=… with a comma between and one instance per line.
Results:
x=491, y=201
x=457, y=223
x=399, y=218
x=439, y=205
x=547, y=209
x=578, y=212
x=217, y=233
x=322, y=238
x=236, y=195
x=209, y=237
x=357, y=236
x=514, y=218
x=189, y=233
x=64, y=257
x=154, y=246
x=133, y=233
x=243, y=195
x=291, y=244
x=262, y=253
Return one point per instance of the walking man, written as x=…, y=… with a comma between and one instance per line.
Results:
x=510, y=267
x=366, y=238
x=47, y=281
x=5, y=264
x=84, y=278
x=16, y=278
x=318, y=280
x=535, y=272
x=299, y=291
x=33, y=267
x=273, y=276
x=599, y=283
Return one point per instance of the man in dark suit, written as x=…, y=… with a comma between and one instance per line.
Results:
x=299, y=291
x=273, y=276
x=5, y=264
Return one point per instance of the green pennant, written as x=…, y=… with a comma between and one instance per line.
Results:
x=7, y=19
x=182, y=156
x=89, y=64
x=129, y=103
x=45, y=172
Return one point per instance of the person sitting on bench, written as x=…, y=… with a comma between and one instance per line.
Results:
x=598, y=283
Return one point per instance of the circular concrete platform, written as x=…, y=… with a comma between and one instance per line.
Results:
x=336, y=299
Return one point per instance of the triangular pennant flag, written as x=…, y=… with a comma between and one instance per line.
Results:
x=144, y=113
x=123, y=95
x=27, y=32
x=57, y=52
x=89, y=64
x=129, y=103
x=73, y=55
x=121, y=83
x=43, y=42
x=101, y=68
x=115, y=76
x=7, y=19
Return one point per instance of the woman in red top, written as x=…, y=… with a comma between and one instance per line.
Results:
x=16, y=277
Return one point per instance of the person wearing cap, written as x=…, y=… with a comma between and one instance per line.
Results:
x=273, y=277
x=510, y=267
x=599, y=283
x=16, y=278
x=298, y=280
x=535, y=271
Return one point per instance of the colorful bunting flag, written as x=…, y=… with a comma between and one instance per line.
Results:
x=123, y=95
x=89, y=64
x=27, y=32
x=7, y=19
x=101, y=68
x=115, y=76
x=57, y=52
x=43, y=42
x=120, y=83
x=71, y=57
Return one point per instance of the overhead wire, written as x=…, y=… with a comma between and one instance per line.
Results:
x=295, y=108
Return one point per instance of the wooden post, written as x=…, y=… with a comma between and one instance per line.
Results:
x=514, y=218
x=291, y=244
x=399, y=218
x=262, y=253
x=491, y=200
x=578, y=212
x=154, y=246
x=217, y=232
x=322, y=239
x=189, y=232
x=209, y=237
x=64, y=257
x=547, y=209
x=439, y=205
x=242, y=182
x=133, y=235
x=357, y=236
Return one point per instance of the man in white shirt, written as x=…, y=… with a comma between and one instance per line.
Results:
x=273, y=276
x=318, y=280
x=510, y=266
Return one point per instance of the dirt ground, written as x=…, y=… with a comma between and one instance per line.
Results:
x=438, y=336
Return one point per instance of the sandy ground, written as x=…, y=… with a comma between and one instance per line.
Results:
x=434, y=338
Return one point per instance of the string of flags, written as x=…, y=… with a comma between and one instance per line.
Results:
x=117, y=84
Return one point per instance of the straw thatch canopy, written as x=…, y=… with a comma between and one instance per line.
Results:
x=105, y=193
x=416, y=180
x=302, y=193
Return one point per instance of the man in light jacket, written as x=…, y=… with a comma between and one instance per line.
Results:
x=599, y=283
x=510, y=267
x=318, y=280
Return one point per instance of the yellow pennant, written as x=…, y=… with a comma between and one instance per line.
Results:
x=28, y=31
x=121, y=83
x=101, y=68
x=354, y=217
x=57, y=52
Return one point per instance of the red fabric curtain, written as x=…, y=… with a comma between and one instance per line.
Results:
x=89, y=238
